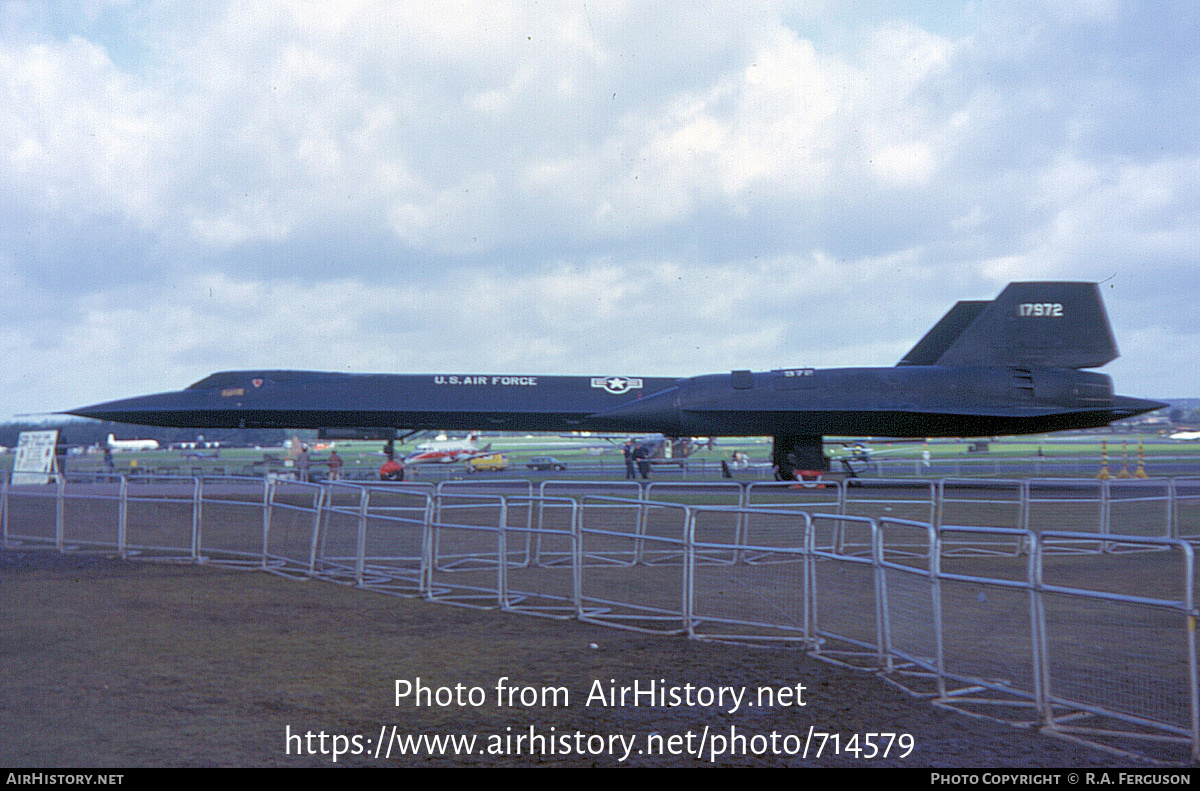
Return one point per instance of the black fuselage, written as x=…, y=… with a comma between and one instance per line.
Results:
x=905, y=401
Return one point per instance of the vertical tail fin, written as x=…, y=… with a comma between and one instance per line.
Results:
x=1049, y=325
x=930, y=348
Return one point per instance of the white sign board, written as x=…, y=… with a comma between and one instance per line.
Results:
x=35, y=458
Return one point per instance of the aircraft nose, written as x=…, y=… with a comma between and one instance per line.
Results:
x=145, y=410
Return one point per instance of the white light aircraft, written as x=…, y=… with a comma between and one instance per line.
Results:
x=447, y=451
x=1186, y=436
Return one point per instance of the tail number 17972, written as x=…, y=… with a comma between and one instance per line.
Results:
x=1049, y=309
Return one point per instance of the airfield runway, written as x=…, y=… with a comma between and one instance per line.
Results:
x=113, y=663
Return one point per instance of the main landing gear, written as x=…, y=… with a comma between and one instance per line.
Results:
x=798, y=453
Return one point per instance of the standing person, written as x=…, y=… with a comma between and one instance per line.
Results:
x=629, y=472
x=642, y=457
x=60, y=454
x=302, y=462
x=335, y=466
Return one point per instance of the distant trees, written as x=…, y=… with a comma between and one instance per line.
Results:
x=93, y=432
x=1184, y=417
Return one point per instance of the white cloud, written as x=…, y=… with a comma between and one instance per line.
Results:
x=360, y=185
x=79, y=136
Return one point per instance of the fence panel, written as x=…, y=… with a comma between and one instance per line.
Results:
x=292, y=523
x=456, y=546
x=988, y=625
x=542, y=577
x=1139, y=507
x=825, y=498
x=1187, y=508
x=162, y=519
x=1065, y=504
x=908, y=591
x=697, y=493
x=755, y=588
x=343, y=516
x=845, y=591
x=467, y=547
x=728, y=494
x=30, y=514
x=1119, y=641
x=613, y=526
x=395, y=539
x=92, y=514
x=981, y=503
x=232, y=519
x=915, y=500
x=627, y=580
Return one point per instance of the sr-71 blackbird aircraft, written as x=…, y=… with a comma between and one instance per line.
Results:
x=1008, y=366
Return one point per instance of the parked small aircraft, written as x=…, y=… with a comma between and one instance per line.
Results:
x=116, y=445
x=447, y=451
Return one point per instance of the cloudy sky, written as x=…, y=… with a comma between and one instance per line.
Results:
x=666, y=188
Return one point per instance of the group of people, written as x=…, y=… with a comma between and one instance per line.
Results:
x=391, y=470
x=304, y=464
x=637, y=461
x=636, y=455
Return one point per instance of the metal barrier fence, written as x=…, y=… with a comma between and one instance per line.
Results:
x=1074, y=611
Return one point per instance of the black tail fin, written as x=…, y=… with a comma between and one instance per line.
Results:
x=944, y=333
x=1051, y=325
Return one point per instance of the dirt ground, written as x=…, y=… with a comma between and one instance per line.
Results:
x=109, y=663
